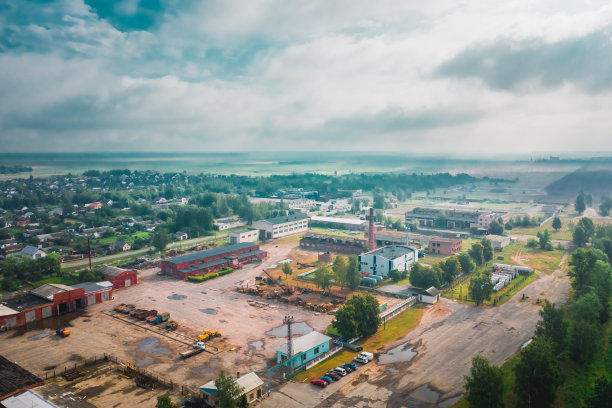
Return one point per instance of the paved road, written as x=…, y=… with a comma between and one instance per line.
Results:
x=126, y=254
x=445, y=341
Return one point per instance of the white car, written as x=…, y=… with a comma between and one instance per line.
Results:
x=368, y=356
x=361, y=360
x=201, y=345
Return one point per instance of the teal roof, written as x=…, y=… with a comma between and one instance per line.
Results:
x=209, y=252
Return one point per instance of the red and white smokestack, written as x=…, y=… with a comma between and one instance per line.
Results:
x=371, y=233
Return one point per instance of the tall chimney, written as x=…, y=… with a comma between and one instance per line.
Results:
x=371, y=233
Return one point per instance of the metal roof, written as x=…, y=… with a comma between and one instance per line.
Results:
x=287, y=218
x=30, y=250
x=90, y=287
x=47, y=291
x=6, y=311
x=337, y=220
x=113, y=271
x=248, y=382
x=392, y=251
x=209, y=252
x=305, y=343
x=28, y=399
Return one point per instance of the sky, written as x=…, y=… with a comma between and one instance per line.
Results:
x=431, y=77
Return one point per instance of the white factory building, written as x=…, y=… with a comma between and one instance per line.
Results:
x=282, y=226
x=246, y=235
x=382, y=260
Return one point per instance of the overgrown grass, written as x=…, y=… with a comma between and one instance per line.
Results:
x=396, y=328
x=460, y=293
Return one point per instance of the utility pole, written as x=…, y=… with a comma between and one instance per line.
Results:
x=89, y=250
x=288, y=320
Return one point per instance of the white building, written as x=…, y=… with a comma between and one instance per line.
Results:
x=382, y=260
x=247, y=235
x=227, y=223
x=338, y=222
x=282, y=226
x=33, y=252
x=431, y=295
x=499, y=242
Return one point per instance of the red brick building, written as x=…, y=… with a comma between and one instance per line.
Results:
x=333, y=243
x=444, y=246
x=120, y=278
x=211, y=260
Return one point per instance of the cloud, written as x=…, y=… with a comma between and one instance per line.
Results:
x=509, y=65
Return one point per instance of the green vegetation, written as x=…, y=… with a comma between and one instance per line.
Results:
x=358, y=317
x=228, y=391
x=208, y=276
x=484, y=385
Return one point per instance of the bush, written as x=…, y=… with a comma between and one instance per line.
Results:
x=208, y=276
x=532, y=242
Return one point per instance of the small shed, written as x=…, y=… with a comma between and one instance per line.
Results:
x=120, y=278
x=430, y=296
x=33, y=252
x=253, y=389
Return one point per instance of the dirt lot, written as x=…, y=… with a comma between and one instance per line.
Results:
x=445, y=341
x=245, y=346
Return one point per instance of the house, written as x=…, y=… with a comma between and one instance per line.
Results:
x=382, y=260
x=120, y=278
x=121, y=246
x=93, y=206
x=252, y=385
x=33, y=252
x=499, y=242
x=57, y=212
x=431, y=295
x=337, y=222
x=160, y=200
x=181, y=236
x=282, y=226
x=304, y=349
x=222, y=224
x=246, y=235
x=444, y=246
x=211, y=260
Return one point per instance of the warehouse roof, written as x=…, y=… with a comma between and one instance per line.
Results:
x=28, y=399
x=305, y=343
x=209, y=252
x=337, y=220
x=392, y=251
x=90, y=287
x=287, y=218
x=7, y=311
x=14, y=378
x=47, y=291
x=111, y=270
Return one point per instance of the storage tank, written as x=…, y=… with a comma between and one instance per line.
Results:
x=369, y=282
x=377, y=277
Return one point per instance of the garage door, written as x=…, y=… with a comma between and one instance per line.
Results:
x=128, y=283
x=47, y=312
x=91, y=300
x=30, y=316
x=104, y=296
x=12, y=322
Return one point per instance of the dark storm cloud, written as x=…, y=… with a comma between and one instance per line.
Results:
x=509, y=64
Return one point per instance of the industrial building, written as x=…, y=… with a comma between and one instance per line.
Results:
x=246, y=235
x=211, y=260
x=282, y=226
x=252, y=385
x=304, y=349
x=382, y=260
x=454, y=219
x=95, y=292
x=119, y=277
x=333, y=243
x=222, y=224
x=337, y=222
x=499, y=242
x=15, y=380
x=50, y=300
x=444, y=246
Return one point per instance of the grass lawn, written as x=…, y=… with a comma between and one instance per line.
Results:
x=460, y=292
x=536, y=258
x=396, y=328
x=65, y=279
x=340, y=233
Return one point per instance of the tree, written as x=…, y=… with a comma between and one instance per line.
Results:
x=580, y=203
x=480, y=288
x=340, y=269
x=450, y=269
x=484, y=386
x=537, y=375
x=379, y=198
x=605, y=206
x=584, y=263
x=160, y=240
x=557, y=224
x=395, y=275
x=477, y=253
x=579, y=236
x=164, y=401
x=358, y=317
x=323, y=277
x=467, y=264
x=228, y=391
x=424, y=277
x=496, y=227
x=601, y=395
x=353, y=277
x=243, y=402
x=287, y=270
x=552, y=326
x=584, y=341
x=544, y=240
x=487, y=249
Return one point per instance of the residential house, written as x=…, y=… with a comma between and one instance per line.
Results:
x=33, y=252
x=252, y=385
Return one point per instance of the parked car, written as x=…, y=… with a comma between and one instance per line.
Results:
x=340, y=371
x=318, y=382
x=361, y=360
x=351, y=365
x=327, y=379
x=347, y=368
x=367, y=355
x=333, y=375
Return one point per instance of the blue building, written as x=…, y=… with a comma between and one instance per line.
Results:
x=305, y=349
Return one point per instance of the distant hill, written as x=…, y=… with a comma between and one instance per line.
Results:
x=594, y=180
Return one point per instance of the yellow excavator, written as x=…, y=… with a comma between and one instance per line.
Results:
x=208, y=334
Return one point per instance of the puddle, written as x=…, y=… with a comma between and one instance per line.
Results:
x=149, y=345
x=209, y=311
x=144, y=361
x=399, y=354
x=256, y=345
x=39, y=336
x=427, y=331
x=177, y=297
x=425, y=394
x=296, y=328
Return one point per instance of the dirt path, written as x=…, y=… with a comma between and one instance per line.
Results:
x=447, y=338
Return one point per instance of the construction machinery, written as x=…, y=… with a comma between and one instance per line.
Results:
x=146, y=313
x=63, y=332
x=208, y=334
x=286, y=290
x=162, y=317
x=171, y=325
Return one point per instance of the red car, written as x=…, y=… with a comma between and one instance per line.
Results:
x=318, y=382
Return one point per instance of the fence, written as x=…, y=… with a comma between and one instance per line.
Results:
x=322, y=357
x=390, y=313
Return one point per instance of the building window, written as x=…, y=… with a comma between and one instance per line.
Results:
x=316, y=350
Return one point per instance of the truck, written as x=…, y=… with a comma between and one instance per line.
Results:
x=197, y=348
x=171, y=325
x=208, y=334
x=162, y=317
